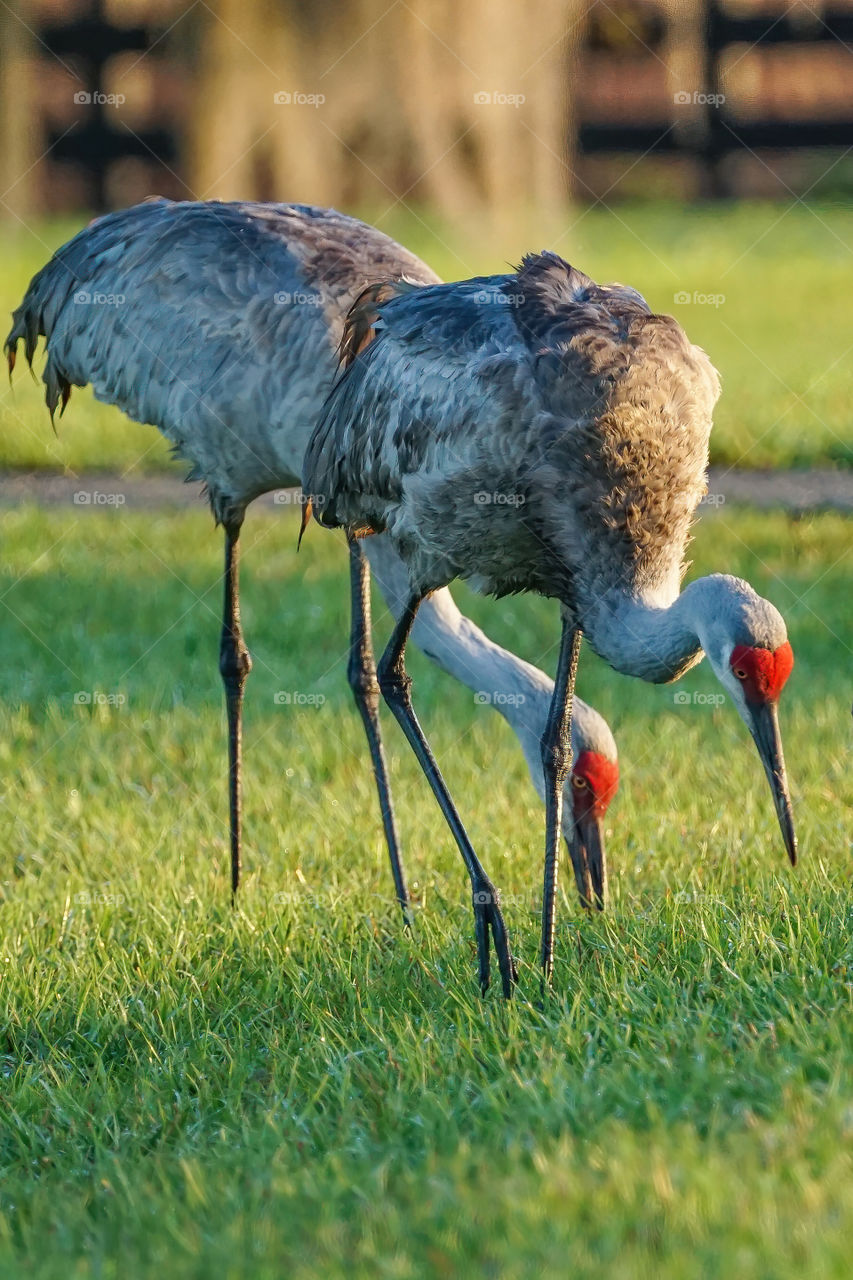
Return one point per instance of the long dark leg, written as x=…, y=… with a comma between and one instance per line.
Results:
x=556, y=761
x=234, y=665
x=396, y=684
x=362, y=677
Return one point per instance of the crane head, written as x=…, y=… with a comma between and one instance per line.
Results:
x=761, y=675
x=747, y=644
x=594, y=781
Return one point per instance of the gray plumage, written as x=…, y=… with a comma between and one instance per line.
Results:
x=225, y=335
x=226, y=338
x=538, y=431
x=220, y=324
x=581, y=417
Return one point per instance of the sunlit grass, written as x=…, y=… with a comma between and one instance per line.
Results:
x=298, y=1087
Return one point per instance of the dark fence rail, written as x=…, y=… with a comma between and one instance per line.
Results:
x=94, y=144
x=717, y=131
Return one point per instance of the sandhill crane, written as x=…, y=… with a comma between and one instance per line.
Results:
x=522, y=693
x=591, y=416
x=223, y=333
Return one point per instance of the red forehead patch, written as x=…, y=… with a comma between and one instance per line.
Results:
x=602, y=779
x=764, y=672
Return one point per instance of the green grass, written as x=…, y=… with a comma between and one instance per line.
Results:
x=778, y=336
x=298, y=1088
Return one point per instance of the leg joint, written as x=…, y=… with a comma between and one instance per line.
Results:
x=394, y=680
x=395, y=685
x=362, y=678
x=235, y=662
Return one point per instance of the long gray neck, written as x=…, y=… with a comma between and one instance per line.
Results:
x=519, y=691
x=515, y=688
x=653, y=638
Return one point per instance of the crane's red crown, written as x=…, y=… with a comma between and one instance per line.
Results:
x=594, y=783
x=762, y=672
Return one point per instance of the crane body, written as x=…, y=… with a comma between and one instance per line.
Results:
x=226, y=340
x=590, y=416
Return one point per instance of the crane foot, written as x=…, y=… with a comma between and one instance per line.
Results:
x=488, y=915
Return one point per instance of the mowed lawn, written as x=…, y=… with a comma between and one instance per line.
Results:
x=298, y=1088
x=764, y=287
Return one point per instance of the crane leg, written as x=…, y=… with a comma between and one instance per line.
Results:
x=556, y=762
x=396, y=685
x=234, y=666
x=361, y=673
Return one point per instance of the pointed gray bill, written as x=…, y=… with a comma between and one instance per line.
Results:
x=586, y=846
x=764, y=727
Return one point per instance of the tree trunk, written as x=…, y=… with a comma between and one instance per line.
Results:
x=462, y=107
x=17, y=127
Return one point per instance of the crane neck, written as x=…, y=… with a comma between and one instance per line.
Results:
x=518, y=690
x=650, y=636
x=497, y=677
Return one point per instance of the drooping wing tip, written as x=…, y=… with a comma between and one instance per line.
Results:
x=10, y=348
x=306, y=516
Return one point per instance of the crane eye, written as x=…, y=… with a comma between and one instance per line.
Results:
x=740, y=673
x=579, y=781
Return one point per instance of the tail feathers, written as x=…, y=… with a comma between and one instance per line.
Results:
x=57, y=390
x=34, y=318
x=24, y=326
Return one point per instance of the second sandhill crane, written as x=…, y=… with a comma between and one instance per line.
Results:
x=226, y=339
x=590, y=416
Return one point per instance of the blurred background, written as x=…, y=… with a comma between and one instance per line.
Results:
x=441, y=104
x=701, y=149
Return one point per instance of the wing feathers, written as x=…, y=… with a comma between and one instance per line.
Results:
x=217, y=323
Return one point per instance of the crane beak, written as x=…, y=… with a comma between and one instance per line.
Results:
x=586, y=846
x=763, y=722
